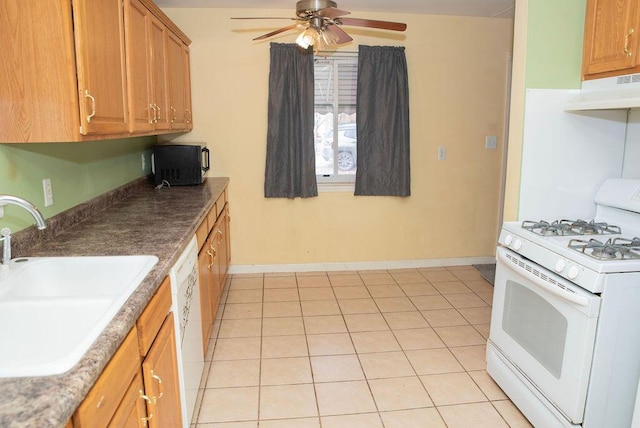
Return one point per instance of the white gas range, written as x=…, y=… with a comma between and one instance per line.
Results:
x=565, y=329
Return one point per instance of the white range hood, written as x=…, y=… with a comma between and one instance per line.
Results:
x=610, y=93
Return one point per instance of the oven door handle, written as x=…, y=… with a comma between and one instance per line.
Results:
x=553, y=289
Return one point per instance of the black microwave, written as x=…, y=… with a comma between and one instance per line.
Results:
x=180, y=165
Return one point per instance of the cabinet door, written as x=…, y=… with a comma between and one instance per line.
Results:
x=100, y=57
x=216, y=286
x=176, y=70
x=227, y=238
x=132, y=412
x=611, y=35
x=161, y=384
x=187, y=87
x=205, y=258
x=38, y=87
x=159, y=80
x=137, y=25
x=221, y=242
x=106, y=395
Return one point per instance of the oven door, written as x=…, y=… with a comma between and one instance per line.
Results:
x=545, y=326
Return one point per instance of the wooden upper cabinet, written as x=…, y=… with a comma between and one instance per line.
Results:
x=38, y=86
x=179, y=83
x=100, y=60
x=146, y=42
x=186, y=57
x=159, y=79
x=137, y=20
x=611, y=38
x=78, y=70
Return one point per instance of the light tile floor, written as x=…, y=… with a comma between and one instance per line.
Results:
x=394, y=348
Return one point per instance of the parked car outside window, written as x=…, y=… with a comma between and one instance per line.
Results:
x=347, y=152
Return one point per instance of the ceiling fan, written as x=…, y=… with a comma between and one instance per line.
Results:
x=321, y=20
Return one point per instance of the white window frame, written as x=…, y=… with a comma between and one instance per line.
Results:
x=336, y=182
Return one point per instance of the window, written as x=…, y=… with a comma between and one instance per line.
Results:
x=335, y=77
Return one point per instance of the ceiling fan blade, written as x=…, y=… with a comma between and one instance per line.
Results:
x=341, y=35
x=273, y=33
x=264, y=17
x=371, y=23
x=332, y=12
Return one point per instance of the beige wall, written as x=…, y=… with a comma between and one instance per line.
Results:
x=457, y=72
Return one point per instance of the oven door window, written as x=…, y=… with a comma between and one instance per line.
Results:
x=535, y=325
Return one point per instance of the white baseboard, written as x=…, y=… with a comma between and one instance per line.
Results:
x=326, y=267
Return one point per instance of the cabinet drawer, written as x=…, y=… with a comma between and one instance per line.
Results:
x=104, y=398
x=202, y=232
x=212, y=216
x=153, y=316
x=221, y=202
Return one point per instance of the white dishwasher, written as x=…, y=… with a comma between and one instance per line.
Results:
x=185, y=292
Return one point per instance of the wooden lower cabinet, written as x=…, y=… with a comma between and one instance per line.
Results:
x=110, y=392
x=139, y=387
x=206, y=297
x=213, y=263
x=160, y=372
x=132, y=412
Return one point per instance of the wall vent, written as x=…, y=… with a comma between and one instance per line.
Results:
x=629, y=78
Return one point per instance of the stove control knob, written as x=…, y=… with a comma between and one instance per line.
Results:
x=517, y=245
x=560, y=265
x=508, y=239
x=573, y=272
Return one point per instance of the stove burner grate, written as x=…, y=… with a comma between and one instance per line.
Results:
x=570, y=228
x=612, y=249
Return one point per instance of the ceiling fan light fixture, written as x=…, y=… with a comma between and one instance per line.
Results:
x=307, y=38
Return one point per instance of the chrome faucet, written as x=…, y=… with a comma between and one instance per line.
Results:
x=6, y=233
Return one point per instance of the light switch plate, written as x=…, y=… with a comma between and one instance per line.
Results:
x=442, y=153
x=490, y=142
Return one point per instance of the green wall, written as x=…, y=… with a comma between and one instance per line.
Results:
x=78, y=172
x=554, y=44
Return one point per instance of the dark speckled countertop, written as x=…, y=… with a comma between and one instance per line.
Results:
x=149, y=221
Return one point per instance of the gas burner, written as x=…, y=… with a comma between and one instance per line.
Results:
x=570, y=228
x=582, y=227
x=616, y=249
x=545, y=228
x=633, y=243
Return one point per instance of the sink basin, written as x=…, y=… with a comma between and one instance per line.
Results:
x=53, y=308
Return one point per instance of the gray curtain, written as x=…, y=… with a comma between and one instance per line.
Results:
x=383, y=122
x=291, y=165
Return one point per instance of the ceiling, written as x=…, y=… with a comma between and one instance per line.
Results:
x=482, y=8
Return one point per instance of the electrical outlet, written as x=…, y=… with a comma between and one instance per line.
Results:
x=490, y=142
x=48, y=192
x=442, y=153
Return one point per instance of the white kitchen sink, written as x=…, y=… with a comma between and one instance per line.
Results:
x=53, y=308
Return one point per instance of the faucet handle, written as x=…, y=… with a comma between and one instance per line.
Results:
x=6, y=246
